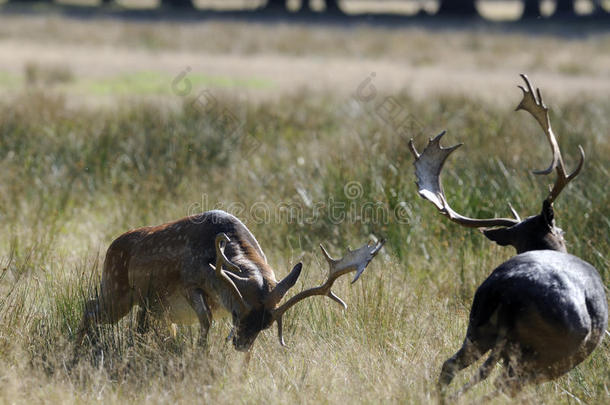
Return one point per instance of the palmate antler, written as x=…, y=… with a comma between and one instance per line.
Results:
x=533, y=104
x=428, y=168
x=354, y=260
x=429, y=164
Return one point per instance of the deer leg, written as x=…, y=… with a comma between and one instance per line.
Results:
x=142, y=323
x=468, y=354
x=488, y=397
x=506, y=383
x=513, y=386
x=485, y=369
x=90, y=313
x=95, y=313
x=197, y=300
x=514, y=376
x=83, y=330
x=99, y=311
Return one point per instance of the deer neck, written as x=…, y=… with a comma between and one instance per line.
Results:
x=260, y=276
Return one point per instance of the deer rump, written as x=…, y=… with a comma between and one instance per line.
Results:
x=548, y=309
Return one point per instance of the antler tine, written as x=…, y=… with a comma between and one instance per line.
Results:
x=428, y=167
x=354, y=260
x=514, y=212
x=563, y=180
x=533, y=103
x=221, y=259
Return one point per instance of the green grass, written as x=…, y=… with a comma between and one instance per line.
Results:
x=143, y=83
x=72, y=179
x=9, y=81
x=151, y=83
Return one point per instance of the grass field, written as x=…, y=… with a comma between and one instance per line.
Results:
x=283, y=137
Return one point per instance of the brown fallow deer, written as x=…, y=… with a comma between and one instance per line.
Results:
x=200, y=267
x=543, y=311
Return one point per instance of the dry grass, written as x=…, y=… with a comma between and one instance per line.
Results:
x=74, y=177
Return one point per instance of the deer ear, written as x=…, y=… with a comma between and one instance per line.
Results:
x=502, y=236
x=289, y=281
x=283, y=286
x=548, y=214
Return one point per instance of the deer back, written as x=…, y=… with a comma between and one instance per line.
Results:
x=154, y=262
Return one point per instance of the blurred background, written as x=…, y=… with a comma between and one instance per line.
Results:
x=99, y=50
x=502, y=9
x=295, y=116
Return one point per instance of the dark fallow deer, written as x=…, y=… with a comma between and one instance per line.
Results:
x=199, y=267
x=543, y=311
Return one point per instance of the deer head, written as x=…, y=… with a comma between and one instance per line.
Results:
x=248, y=321
x=533, y=233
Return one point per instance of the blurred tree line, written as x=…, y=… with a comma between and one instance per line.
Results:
x=531, y=8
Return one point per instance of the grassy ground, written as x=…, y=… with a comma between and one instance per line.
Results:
x=73, y=177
